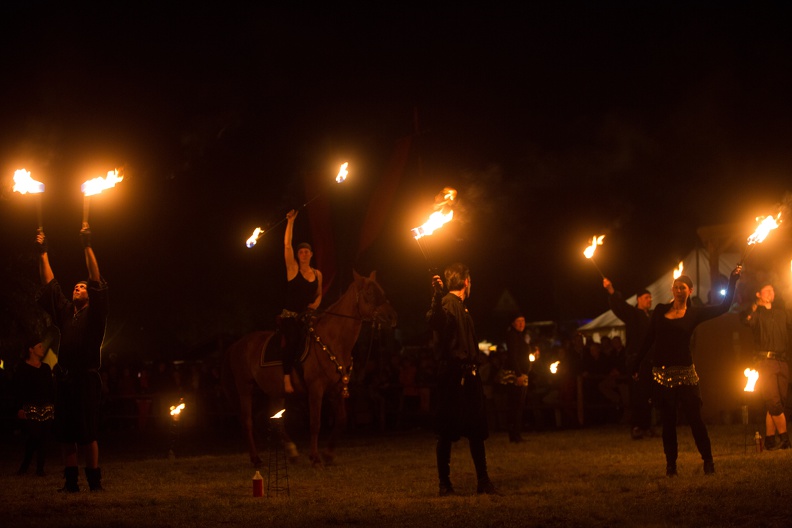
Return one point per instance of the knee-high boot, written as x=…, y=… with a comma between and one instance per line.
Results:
x=71, y=473
x=479, y=454
x=94, y=476
x=443, y=452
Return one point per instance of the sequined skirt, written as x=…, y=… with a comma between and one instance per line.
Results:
x=675, y=376
x=39, y=413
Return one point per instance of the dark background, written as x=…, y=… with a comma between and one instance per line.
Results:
x=554, y=124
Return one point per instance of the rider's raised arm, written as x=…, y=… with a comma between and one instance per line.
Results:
x=292, y=267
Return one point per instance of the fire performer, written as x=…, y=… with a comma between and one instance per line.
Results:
x=771, y=329
x=636, y=322
x=303, y=295
x=676, y=380
x=82, y=324
x=461, y=404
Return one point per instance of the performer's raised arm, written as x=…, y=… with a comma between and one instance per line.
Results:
x=45, y=271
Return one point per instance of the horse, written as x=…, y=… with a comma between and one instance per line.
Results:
x=326, y=368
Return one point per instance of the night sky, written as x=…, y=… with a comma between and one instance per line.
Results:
x=553, y=124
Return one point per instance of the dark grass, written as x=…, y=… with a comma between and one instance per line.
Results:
x=585, y=477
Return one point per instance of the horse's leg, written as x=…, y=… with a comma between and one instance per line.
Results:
x=315, y=395
x=285, y=440
x=339, y=407
x=246, y=416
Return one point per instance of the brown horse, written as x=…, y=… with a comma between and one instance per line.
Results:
x=326, y=368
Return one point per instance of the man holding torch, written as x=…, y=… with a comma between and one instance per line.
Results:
x=82, y=322
x=771, y=330
x=461, y=404
x=303, y=294
x=636, y=323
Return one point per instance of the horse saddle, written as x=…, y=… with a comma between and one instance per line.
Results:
x=272, y=350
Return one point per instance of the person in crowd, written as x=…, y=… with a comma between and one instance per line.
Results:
x=636, y=322
x=517, y=364
x=303, y=295
x=771, y=329
x=82, y=321
x=676, y=380
x=461, y=406
x=35, y=396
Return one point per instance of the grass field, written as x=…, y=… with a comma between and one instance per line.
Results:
x=584, y=477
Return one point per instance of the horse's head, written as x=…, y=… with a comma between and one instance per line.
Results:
x=371, y=301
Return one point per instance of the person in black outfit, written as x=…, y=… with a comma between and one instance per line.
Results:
x=82, y=321
x=676, y=380
x=303, y=295
x=35, y=394
x=636, y=322
x=518, y=365
x=461, y=404
x=771, y=329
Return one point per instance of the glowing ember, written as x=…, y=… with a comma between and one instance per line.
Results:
x=678, y=271
x=24, y=184
x=250, y=242
x=342, y=173
x=554, y=367
x=436, y=221
x=595, y=241
x=176, y=410
x=752, y=376
x=99, y=184
x=765, y=226
x=278, y=414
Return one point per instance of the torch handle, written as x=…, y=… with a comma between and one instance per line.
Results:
x=86, y=207
x=598, y=269
x=38, y=211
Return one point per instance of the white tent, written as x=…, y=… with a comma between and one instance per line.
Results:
x=695, y=265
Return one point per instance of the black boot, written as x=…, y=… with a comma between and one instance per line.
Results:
x=443, y=452
x=770, y=443
x=70, y=473
x=94, y=476
x=783, y=441
x=485, y=485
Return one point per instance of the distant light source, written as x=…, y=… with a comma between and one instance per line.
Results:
x=723, y=292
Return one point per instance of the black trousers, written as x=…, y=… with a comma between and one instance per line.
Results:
x=688, y=399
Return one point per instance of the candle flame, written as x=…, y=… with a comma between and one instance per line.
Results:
x=278, y=414
x=766, y=225
x=250, y=242
x=752, y=376
x=595, y=241
x=23, y=183
x=678, y=270
x=99, y=184
x=554, y=367
x=342, y=173
x=436, y=221
x=176, y=410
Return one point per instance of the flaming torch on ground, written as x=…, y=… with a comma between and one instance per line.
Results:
x=766, y=224
x=752, y=376
x=443, y=213
x=589, y=251
x=24, y=184
x=96, y=186
x=343, y=172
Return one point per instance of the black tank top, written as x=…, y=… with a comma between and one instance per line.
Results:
x=300, y=293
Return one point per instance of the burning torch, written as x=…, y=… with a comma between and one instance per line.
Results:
x=24, y=184
x=444, y=203
x=259, y=232
x=96, y=186
x=766, y=225
x=589, y=251
x=752, y=376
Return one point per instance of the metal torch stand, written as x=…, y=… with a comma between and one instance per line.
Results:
x=277, y=467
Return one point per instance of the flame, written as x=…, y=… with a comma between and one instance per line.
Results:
x=765, y=226
x=176, y=410
x=278, y=414
x=531, y=358
x=23, y=183
x=250, y=242
x=99, y=184
x=554, y=367
x=752, y=376
x=678, y=270
x=342, y=173
x=436, y=221
x=595, y=241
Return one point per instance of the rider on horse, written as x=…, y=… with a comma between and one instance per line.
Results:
x=303, y=294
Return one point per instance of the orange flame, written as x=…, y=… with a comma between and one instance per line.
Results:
x=436, y=221
x=278, y=414
x=678, y=270
x=342, y=173
x=250, y=242
x=752, y=376
x=595, y=241
x=99, y=184
x=765, y=226
x=23, y=183
x=176, y=410
x=554, y=367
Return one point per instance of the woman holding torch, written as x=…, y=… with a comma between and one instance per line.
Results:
x=303, y=294
x=676, y=380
